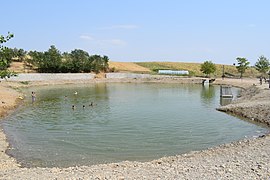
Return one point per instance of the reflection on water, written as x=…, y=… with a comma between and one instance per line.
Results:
x=208, y=93
x=225, y=101
x=126, y=122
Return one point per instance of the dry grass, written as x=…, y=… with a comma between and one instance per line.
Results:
x=194, y=68
x=152, y=67
x=20, y=67
x=128, y=67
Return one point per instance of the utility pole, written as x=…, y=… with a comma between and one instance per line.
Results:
x=223, y=73
x=269, y=79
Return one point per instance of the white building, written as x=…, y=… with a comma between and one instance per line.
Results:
x=177, y=72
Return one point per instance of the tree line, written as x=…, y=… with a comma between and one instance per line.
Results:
x=77, y=61
x=52, y=60
x=262, y=65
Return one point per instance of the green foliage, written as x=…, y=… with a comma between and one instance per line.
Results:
x=36, y=58
x=5, y=57
x=4, y=39
x=48, y=61
x=242, y=65
x=52, y=60
x=80, y=61
x=19, y=54
x=75, y=62
x=208, y=67
x=4, y=74
x=100, y=63
x=262, y=65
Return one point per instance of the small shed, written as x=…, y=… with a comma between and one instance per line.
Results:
x=175, y=72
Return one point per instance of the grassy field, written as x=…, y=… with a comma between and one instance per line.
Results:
x=194, y=68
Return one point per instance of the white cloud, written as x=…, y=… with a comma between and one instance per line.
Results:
x=86, y=37
x=123, y=26
x=103, y=42
x=116, y=42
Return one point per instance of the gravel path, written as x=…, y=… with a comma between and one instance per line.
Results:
x=246, y=159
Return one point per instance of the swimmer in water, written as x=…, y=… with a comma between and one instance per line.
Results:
x=33, y=97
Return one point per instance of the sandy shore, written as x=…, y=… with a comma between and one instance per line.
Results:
x=246, y=159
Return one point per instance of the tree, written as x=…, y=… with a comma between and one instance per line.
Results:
x=35, y=58
x=208, y=67
x=100, y=63
x=48, y=61
x=4, y=39
x=80, y=61
x=66, y=63
x=242, y=65
x=262, y=65
x=21, y=54
x=5, y=57
x=105, y=63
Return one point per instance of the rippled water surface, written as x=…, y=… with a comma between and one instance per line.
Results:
x=127, y=122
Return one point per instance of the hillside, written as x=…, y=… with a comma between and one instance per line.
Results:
x=20, y=67
x=128, y=67
x=194, y=68
x=152, y=67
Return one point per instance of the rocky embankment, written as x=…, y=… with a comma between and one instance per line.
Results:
x=253, y=104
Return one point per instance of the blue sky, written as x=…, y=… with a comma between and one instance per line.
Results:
x=143, y=30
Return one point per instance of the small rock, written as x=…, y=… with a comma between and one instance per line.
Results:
x=222, y=166
x=159, y=162
x=121, y=178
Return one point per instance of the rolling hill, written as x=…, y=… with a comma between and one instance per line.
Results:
x=152, y=67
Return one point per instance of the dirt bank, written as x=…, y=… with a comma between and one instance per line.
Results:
x=246, y=159
x=253, y=103
x=9, y=98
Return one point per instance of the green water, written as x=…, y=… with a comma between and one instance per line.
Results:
x=136, y=122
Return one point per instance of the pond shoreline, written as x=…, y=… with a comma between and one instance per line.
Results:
x=246, y=159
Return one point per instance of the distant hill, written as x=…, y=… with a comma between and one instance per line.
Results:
x=153, y=67
x=128, y=67
x=194, y=68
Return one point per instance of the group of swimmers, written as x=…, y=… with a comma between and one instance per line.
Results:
x=90, y=105
x=74, y=107
x=33, y=94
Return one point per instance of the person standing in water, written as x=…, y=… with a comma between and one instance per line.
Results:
x=73, y=107
x=33, y=96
